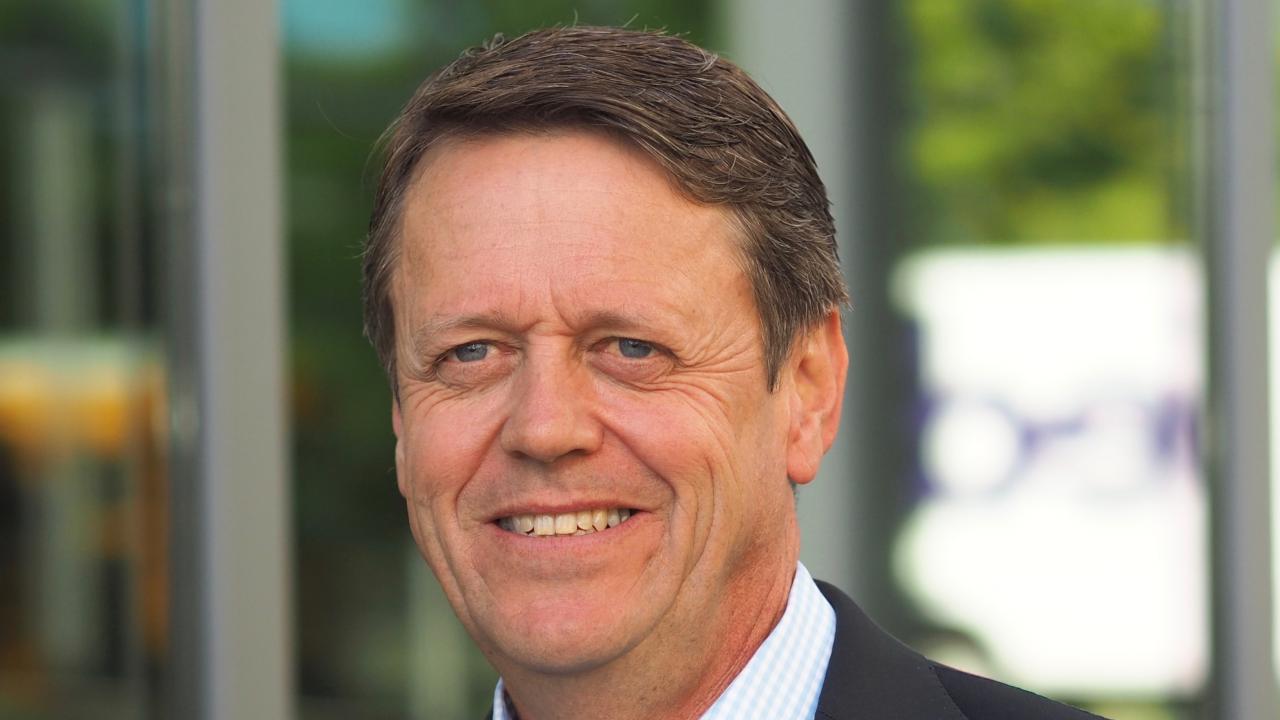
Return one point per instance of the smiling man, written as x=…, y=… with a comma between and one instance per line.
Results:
x=602, y=277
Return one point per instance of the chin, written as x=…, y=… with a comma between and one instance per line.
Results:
x=557, y=637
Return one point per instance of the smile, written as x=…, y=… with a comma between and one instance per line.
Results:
x=583, y=522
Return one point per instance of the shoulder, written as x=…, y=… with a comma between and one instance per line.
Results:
x=982, y=699
x=871, y=675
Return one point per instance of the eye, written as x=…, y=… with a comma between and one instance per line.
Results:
x=471, y=352
x=473, y=364
x=634, y=349
x=631, y=361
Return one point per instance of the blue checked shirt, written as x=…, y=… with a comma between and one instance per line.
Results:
x=783, y=679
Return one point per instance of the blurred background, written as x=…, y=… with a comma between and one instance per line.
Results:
x=1056, y=216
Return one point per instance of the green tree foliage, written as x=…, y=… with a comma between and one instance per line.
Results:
x=1047, y=120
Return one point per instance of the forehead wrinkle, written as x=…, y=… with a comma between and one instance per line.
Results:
x=626, y=320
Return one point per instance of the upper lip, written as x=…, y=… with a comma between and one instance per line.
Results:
x=557, y=508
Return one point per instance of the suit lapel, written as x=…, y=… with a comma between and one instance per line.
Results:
x=872, y=676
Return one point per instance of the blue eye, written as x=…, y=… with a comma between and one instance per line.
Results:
x=635, y=349
x=471, y=352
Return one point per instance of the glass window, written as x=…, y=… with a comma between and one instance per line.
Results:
x=84, y=486
x=1051, y=301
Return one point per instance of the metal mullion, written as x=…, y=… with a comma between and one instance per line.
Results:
x=242, y=464
x=1240, y=196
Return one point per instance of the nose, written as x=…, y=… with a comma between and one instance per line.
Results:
x=551, y=416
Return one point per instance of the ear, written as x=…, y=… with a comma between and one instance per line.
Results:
x=397, y=426
x=818, y=366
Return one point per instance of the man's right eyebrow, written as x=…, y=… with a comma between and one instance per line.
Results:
x=424, y=336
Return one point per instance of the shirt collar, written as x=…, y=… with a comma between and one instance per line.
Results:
x=784, y=677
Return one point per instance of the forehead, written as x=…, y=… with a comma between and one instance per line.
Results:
x=586, y=166
x=572, y=210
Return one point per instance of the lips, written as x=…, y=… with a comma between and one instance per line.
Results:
x=581, y=522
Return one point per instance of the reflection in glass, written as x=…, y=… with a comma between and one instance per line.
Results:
x=83, y=484
x=1050, y=313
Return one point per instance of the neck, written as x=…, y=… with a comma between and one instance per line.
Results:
x=677, y=672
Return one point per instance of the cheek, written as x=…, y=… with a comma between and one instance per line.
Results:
x=674, y=437
x=710, y=447
x=444, y=444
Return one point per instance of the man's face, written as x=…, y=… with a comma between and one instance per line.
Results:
x=576, y=337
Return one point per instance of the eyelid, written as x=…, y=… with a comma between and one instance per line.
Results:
x=449, y=353
x=660, y=351
x=457, y=351
x=614, y=340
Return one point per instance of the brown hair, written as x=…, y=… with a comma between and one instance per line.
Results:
x=721, y=139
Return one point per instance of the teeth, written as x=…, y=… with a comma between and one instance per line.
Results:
x=524, y=524
x=544, y=525
x=566, y=523
x=582, y=522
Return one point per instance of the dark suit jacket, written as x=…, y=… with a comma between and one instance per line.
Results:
x=872, y=676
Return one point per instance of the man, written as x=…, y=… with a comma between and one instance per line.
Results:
x=602, y=277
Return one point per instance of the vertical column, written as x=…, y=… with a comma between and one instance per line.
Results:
x=60, y=285
x=241, y=457
x=800, y=54
x=1240, y=235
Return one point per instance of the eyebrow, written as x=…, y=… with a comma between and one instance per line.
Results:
x=424, y=336
x=621, y=321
